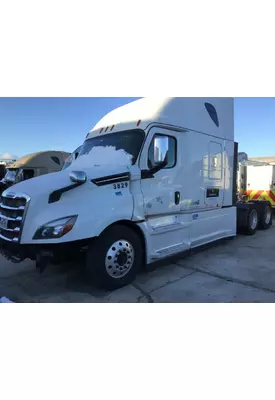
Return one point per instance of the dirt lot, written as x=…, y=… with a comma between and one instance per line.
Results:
x=238, y=270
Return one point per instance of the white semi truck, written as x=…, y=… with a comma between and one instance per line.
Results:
x=154, y=178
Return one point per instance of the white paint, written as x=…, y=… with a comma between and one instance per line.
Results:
x=260, y=177
x=96, y=207
x=187, y=233
x=185, y=112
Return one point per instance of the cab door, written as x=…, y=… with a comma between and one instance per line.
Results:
x=162, y=190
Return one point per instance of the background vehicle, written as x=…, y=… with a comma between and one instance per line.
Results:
x=256, y=180
x=2, y=171
x=33, y=165
x=260, y=182
x=154, y=178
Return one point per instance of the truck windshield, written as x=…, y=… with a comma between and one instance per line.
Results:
x=73, y=156
x=129, y=141
x=11, y=174
x=68, y=162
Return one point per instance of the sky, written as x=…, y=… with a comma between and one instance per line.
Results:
x=28, y=125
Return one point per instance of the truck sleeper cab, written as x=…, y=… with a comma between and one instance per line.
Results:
x=153, y=178
x=33, y=165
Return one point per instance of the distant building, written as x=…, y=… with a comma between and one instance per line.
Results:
x=269, y=160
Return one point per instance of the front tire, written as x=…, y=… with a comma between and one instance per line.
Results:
x=114, y=259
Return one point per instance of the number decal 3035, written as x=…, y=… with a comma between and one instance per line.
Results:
x=121, y=185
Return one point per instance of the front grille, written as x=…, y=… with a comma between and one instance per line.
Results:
x=12, y=211
x=13, y=201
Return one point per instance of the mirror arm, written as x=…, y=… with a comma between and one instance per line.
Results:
x=157, y=168
x=149, y=173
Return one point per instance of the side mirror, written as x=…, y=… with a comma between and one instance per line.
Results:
x=160, y=147
x=78, y=176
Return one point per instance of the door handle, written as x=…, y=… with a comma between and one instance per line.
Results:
x=177, y=198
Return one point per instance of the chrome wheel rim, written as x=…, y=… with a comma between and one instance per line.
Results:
x=268, y=216
x=119, y=259
x=253, y=219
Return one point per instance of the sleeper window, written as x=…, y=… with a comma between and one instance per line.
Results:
x=215, y=161
x=56, y=160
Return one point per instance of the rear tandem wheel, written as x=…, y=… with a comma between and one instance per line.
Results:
x=265, y=220
x=252, y=221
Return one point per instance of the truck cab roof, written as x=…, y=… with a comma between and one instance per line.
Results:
x=42, y=158
x=213, y=116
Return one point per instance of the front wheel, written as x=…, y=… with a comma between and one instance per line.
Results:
x=114, y=259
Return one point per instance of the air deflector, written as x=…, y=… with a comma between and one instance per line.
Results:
x=212, y=113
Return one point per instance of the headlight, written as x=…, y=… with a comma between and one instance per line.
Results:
x=55, y=229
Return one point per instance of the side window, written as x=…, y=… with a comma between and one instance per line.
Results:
x=162, y=146
x=56, y=160
x=28, y=174
x=215, y=161
x=212, y=113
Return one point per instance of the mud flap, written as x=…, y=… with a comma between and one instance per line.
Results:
x=43, y=260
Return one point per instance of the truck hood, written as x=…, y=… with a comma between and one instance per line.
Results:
x=45, y=184
x=97, y=204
